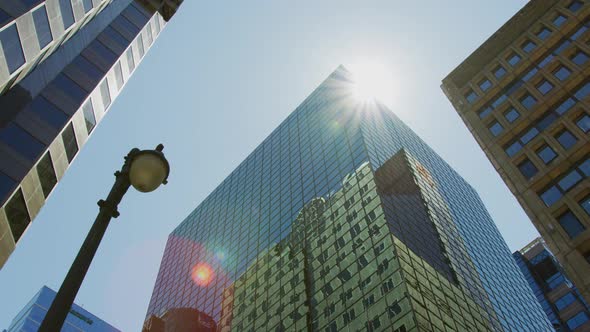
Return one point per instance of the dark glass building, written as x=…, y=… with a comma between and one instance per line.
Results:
x=560, y=299
x=344, y=219
x=79, y=319
x=62, y=63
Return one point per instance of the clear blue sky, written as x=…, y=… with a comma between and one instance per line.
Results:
x=219, y=79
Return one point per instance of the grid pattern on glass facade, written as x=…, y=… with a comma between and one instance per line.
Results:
x=298, y=236
x=538, y=154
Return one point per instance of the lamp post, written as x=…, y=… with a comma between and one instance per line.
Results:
x=145, y=170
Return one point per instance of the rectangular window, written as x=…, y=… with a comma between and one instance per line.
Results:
x=546, y=154
x=140, y=46
x=130, y=60
x=496, y=128
x=528, y=101
x=565, y=106
x=67, y=14
x=87, y=4
x=21, y=141
x=575, y=5
x=566, y=139
x=70, y=144
x=48, y=112
x=565, y=301
x=70, y=88
x=583, y=123
x=119, y=75
x=580, y=58
x=47, y=175
x=559, y=20
x=511, y=115
x=513, y=149
x=585, y=204
x=471, y=96
x=529, y=135
x=546, y=121
x=551, y=196
x=485, y=84
x=17, y=215
x=569, y=181
x=544, y=33
x=527, y=169
x=578, y=33
x=89, y=117
x=513, y=59
x=544, y=87
x=562, y=73
x=528, y=46
x=105, y=94
x=41, y=22
x=499, y=72
x=530, y=74
x=7, y=184
x=565, y=44
x=583, y=91
x=546, y=61
x=13, y=50
x=570, y=224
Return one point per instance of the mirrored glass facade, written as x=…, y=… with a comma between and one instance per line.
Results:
x=344, y=219
x=62, y=63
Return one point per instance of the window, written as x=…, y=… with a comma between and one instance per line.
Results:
x=89, y=117
x=530, y=74
x=551, y=196
x=513, y=149
x=559, y=20
x=528, y=46
x=585, y=204
x=21, y=141
x=562, y=73
x=46, y=174
x=105, y=94
x=4, y=17
x=585, y=167
x=70, y=88
x=575, y=6
x=583, y=123
x=543, y=33
x=569, y=181
x=511, y=115
x=87, y=4
x=546, y=121
x=580, y=58
x=496, y=128
x=546, y=154
x=583, y=91
x=6, y=186
x=48, y=112
x=140, y=45
x=513, y=59
x=119, y=75
x=67, y=14
x=565, y=301
x=566, y=139
x=544, y=87
x=485, y=84
x=44, y=36
x=528, y=101
x=528, y=169
x=499, y=72
x=471, y=96
x=546, y=61
x=578, y=33
x=485, y=112
x=130, y=60
x=571, y=225
x=70, y=144
x=13, y=51
x=17, y=215
x=565, y=106
x=529, y=135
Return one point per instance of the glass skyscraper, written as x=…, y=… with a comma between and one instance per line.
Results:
x=79, y=319
x=62, y=63
x=344, y=219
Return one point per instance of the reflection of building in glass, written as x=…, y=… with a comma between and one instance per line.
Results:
x=525, y=96
x=62, y=63
x=180, y=319
x=559, y=298
x=341, y=218
x=31, y=316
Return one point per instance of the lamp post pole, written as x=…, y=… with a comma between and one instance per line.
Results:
x=64, y=299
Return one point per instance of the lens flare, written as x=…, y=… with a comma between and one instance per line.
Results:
x=202, y=274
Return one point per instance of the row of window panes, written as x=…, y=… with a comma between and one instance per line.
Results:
x=566, y=182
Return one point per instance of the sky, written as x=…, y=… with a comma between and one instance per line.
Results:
x=218, y=80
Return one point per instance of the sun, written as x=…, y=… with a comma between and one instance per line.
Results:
x=372, y=81
x=202, y=274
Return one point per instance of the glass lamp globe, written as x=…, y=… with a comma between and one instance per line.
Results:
x=149, y=169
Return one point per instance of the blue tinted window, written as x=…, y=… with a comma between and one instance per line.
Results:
x=89, y=115
x=565, y=106
x=13, y=51
x=585, y=204
x=530, y=74
x=87, y=4
x=513, y=148
x=580, y=58
x=67, y=13
x=72, y=89
x=544, y=87
x=577, y=320
x=578, y=33
x=130, y=60
x=528, y=101
x=559, y=20
x=575, y=6
x=570, y=180
x=485, y=84
x=511, y=115
x=562, y=73
x=527, y=168
x=7, y=184
x=42, y=28
x=49, y=112
x=499, y=72
x=513, y=59
x=584, y=123
x=562, y=47
x=529, y=135
x=496, y=128
x=485, y=112
x=583, y=91
x=546, y=154
x=566, y=139
x=4, y=18
x=92, y=71
x=571, y=225
x=551, y=195
x=585, y=167
x=528, y=46
x=70, y=144
x=105, y=93
x=499, y=101
x=21, y=141
x=471, y=96
x=546, y=60
x=565, y=301
x=544, y=33
x=546, y=121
